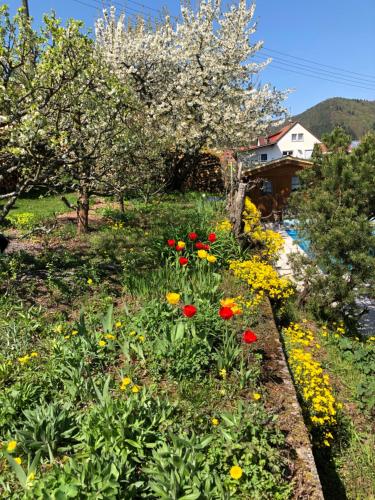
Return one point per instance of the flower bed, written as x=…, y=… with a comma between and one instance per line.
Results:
x=318, y=402
x=161, y=400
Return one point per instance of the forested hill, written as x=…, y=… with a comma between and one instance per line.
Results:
x=356, y=116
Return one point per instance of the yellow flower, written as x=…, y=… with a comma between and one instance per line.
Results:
x=89, y=281
x=256, y=396
x=109, y=336
x=31, y=476
x=214, y=421
x=141, y=338
x=66, y=337
x=173, y=298
x=34, y=354
x=211, y=259
x=12, y=445
x=24, y=359
x=181, y=244
x=229, y=302
x=202, y=254
x=118, y=324
x=18, y=460
x=236, y=472
x=236, y=310
x=102, y=343
x=223, y=373
x=125, y=382
x=136, y=389
x=74, y=332
x=132, y=333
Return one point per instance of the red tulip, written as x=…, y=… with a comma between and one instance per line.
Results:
x=189, y=311
x=212, y=237
x=199, y=245
x=171, y=243
x=183, y=261
x=225, y=313
x=179, y=248
x=192, y=236
x=206, y=247
x=249, y=337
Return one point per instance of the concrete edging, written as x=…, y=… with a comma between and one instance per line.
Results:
x=290, y=419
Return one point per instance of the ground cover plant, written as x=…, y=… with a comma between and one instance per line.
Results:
x=145, y=380
x=333, y=373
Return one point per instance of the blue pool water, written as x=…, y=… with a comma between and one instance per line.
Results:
x=303, y=243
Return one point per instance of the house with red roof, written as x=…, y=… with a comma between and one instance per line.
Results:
x=273, y=163
x=291, y=140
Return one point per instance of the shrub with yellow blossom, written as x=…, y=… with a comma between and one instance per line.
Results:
x=262, y=277
x=269, y=241
x=313, y=384
x=251, y=216
x=224, y=226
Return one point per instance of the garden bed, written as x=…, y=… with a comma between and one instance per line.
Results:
x=152, y=398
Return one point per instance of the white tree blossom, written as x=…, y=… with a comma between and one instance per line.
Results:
x=196, y=77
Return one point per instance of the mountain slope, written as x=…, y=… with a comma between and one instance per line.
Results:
x=356, y=116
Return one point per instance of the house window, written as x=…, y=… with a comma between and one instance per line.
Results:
x=308, y=153
x=263, y=157
x=287, y=153
x=267, y=187
x=296, y=183
x=297, y=137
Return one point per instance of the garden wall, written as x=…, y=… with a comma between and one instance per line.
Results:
x=282, y=399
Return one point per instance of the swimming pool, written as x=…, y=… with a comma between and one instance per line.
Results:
x=301, y=242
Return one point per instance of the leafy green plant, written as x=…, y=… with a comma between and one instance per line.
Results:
x=48, y=429
x=177, y=469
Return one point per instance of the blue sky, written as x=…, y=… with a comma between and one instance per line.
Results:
x=335, y=33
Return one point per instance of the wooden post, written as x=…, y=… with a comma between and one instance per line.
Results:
x=25, y=5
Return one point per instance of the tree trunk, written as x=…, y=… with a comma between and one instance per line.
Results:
x=237, y=211
x=121, y=202
x=83, y=211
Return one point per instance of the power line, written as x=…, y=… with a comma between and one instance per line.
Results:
x=99, y=6
x=142, y=5
x=319, y=64
x=87, y=5
x=126, y=9
x=311, y=75
x=323, y=72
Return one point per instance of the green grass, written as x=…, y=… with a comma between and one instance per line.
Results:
x=42, y=208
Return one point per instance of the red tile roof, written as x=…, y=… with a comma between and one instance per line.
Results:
x=271, y=139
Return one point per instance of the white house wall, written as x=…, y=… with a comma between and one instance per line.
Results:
x=272, y=152
x=301, y=149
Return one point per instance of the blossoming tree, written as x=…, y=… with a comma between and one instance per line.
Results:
x=196, y=77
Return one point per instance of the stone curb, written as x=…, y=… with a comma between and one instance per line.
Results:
x=290, y=418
